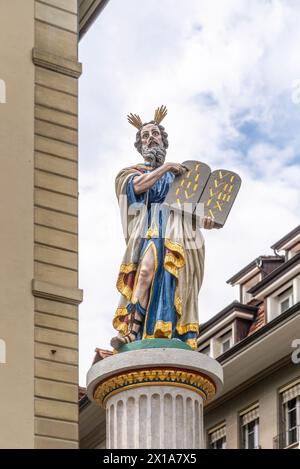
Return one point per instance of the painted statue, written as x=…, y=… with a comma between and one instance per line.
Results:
x=162, y=269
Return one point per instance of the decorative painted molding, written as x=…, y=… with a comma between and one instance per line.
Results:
x=51, y=291
x=58, y=64
x=197, y=382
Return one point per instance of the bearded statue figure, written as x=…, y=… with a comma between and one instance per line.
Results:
x=162, y=269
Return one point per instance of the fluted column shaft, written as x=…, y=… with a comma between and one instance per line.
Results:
x=155, y=417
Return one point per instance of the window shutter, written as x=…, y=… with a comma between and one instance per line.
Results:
x=218, y=434
x=291, y=393
x=250, y=416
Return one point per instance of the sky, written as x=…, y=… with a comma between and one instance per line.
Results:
x=229, y=74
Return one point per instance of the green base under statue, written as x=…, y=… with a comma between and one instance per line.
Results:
x=154, y=343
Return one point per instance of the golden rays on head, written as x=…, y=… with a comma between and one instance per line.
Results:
x=159, y=115
x=135, y=120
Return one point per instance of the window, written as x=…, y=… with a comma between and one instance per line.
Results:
x=226, y=341
x=285, y=300
x=291, y=416
x=217, y=438
x=206, y=350
x=219, y=444
x=250, y=429
x=291, y=421
x=250, y=434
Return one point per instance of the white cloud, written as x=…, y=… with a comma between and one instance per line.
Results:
x=226, y=72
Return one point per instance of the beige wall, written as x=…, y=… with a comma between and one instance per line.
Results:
x=55, y=284
x=39, y=217
x=16, y=234
x=265, y=392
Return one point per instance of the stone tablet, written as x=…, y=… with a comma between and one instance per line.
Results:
x=219, y=194
x=186, y=189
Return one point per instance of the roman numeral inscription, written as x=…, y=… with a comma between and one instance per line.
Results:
x=216, y=191
x=187, y=189
x=219, y=194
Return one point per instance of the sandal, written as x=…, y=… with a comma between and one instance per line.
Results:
x=119, y=340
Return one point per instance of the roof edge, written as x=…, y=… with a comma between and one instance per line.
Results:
x=259, y=332
x=275, y=273
x=286, y=238
x=89, y=16
x=250, y=266
x=228, y=309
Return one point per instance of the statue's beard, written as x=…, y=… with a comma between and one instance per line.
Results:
x=155, y=155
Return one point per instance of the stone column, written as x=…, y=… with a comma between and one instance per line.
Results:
x=154, y=396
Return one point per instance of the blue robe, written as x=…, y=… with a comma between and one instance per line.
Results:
x=160, y=317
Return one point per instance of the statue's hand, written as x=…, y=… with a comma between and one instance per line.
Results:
x=175, y=168
x=208, y=223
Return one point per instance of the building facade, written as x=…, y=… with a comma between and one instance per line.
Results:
x=39, y=213
x=257, y=341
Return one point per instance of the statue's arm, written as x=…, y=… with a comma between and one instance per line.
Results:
x=145, y=181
